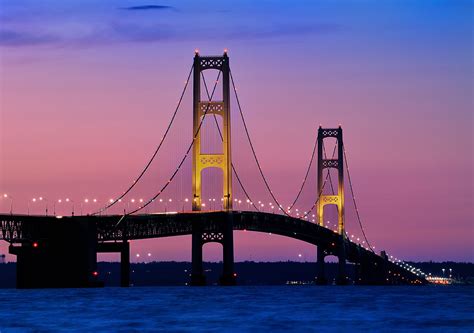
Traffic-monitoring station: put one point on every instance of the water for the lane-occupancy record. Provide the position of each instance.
(282, 308)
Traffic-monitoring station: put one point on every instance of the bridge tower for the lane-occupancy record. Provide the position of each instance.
(203, 161)
(334, 199)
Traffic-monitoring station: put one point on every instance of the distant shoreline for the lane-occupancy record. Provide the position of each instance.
(173, 273)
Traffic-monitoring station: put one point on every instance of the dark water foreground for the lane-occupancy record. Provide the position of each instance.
(283, 308)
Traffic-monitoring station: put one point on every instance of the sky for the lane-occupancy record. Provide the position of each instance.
(87, 89)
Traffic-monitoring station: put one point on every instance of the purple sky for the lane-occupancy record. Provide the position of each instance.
(87, 89)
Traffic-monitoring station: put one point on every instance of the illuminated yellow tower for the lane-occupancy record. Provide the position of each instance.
(334, 199)
(220, 108)
(324, 163)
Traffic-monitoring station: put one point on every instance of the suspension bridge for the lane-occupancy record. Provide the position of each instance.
(61, 251)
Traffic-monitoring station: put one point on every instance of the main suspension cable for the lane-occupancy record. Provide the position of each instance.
(182, 160)
(232, 164)
(156, 150)
(306, 175)
(252, 148)
(354, 200)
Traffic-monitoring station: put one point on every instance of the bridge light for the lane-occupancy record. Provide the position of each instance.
(225, 51)
(86, 200)
(35, 244)
(186, 200)
(34, 199)
(196, 51)
(111, 200)
(235, 274)
(95, 273)
(94, 200)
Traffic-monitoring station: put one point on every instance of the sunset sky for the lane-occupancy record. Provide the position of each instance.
(87, 89)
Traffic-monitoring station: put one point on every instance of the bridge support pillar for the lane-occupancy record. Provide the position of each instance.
(124, 249)
(228, 277)
(341, 266)
(321, 277)
(125, 264)
(341, 272)
(197, 272)
(372, 272)
(64, 256)
(224, 235)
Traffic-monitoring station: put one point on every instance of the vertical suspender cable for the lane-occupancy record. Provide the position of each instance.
(354, 200)
(155, 153)
(233, 167)
(179, 165)
(252, 148)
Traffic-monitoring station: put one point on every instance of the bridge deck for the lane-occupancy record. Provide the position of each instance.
(22, 228)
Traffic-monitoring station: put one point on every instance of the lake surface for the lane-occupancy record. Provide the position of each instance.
(281, 308)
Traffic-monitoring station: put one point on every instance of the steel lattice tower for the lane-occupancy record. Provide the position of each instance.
(325, 163)
(206, 108)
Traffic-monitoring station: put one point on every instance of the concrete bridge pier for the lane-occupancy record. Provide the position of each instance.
(224, 235)
(228, 277)
(124, 249)
(321, 274)
(125, 264)
(197, 272)
(63, 256)
(341, 267)
(370, 272)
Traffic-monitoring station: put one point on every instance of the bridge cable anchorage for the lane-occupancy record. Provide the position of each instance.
(222, 138)
(307, 173)
(354, 200)
(328, 176)
(156, 150)
(252, 148)
(180, 163)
